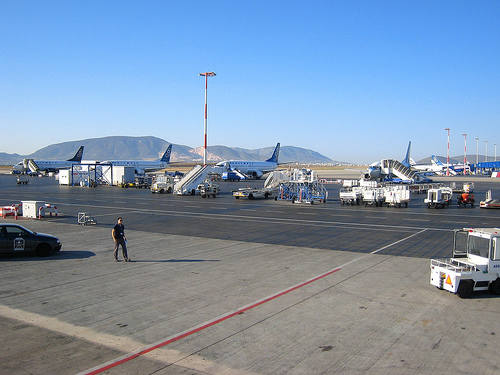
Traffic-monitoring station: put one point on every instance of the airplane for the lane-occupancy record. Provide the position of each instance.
(375, 171)
(47, 165)
(440, 168)
(255, 169)
(143, 166)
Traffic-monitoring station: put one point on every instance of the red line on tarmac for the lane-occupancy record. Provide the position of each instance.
(132, 355)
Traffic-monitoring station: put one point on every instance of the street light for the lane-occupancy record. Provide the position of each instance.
(206, 75)
(477, 151)
(448, 154)
(465, 154)
(486, 151)
(495, 152)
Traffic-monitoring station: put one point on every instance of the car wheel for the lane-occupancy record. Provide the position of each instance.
(42, 250)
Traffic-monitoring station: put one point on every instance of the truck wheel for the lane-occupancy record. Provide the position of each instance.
(465, 288)
(250, 196)
(495, 287)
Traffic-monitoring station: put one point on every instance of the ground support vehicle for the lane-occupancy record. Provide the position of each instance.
(302, 186)
(163, 184)
(475, 264)
(208, 188)
(18, 239)
(142, 182)
(397, 195)
(489, 202)
(126, 184)
(373, 196)
(439, 197)
(253, 193)
(86, 218)
(465, 196)
(232, 176)
(464, 199)
(350, 195)
(21, 180)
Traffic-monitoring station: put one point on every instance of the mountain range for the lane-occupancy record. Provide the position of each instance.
(152, 148)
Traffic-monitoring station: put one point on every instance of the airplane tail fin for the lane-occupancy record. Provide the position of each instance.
(407, 160)
(166, 156)
(276, 154)
(435, 160)
(78, 155)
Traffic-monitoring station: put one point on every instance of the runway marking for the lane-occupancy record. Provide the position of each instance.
(401, 240)
(159, 344)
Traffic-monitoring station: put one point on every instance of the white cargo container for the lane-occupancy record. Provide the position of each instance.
(73, 177)
(32, 208)
(119, 175)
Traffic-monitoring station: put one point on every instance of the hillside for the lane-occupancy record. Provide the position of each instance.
(151, 148)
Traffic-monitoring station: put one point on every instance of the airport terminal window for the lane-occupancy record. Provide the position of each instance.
(479, 246)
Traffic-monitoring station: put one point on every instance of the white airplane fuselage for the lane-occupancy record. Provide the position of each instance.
(47, 165)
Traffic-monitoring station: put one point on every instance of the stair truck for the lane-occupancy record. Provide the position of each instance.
(474, 266)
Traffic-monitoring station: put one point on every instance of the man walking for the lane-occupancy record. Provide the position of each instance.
(118, 234)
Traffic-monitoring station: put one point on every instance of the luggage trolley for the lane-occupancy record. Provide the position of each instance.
(85, 218)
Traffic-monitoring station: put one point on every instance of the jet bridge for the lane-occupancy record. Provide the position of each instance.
(398, 169)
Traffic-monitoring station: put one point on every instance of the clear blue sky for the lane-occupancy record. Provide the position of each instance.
(353, 80)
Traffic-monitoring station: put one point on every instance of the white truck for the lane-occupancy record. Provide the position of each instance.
(351, 195)
(475, 264)
(163, 184)
(439, 197)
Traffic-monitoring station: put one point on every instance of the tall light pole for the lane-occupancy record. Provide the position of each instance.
(206, 75)
(448, 153)
(465, 154)
(495, 152)
(477, 151)
(486, 156)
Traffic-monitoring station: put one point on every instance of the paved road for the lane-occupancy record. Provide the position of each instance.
(225, 286)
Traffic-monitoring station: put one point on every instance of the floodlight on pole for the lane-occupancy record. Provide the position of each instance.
(465, 154)
(486, 152)
(448, 153)
(495, 152)
(206, 75)
(477, 151)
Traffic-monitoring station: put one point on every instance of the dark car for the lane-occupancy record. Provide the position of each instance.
(18, 239)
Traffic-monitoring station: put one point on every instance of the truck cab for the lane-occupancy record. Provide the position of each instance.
(475, 264)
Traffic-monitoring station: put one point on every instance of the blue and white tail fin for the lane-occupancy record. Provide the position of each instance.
(276, 153)
(407, 160)
(436, 161)
(78, 155)
(166, 156)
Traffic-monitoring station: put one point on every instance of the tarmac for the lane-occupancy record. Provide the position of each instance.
(225, 286)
